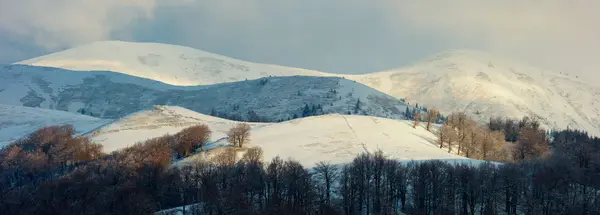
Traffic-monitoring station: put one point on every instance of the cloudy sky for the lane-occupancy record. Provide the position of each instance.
(342, 36)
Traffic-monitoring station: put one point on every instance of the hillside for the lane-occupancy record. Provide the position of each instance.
(335, 138)
(113, 95)
(171, 64)
(155, 122)
(17, 121)
(485, 86)
(339, 138)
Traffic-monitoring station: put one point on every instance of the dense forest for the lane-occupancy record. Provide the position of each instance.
(53, 172)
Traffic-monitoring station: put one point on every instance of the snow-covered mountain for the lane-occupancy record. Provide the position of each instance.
(171, 64)
(485, 86)
(18, 121)
(478, 83)
(114, 95)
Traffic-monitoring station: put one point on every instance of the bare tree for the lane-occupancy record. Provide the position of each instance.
(239, 135)
(462, 124)
(88, 151)
(501, 152)
(532, 142)
(432, 115)
(447, 134)
(158, 151)
(465, 124)
(473, 139)
(226, 157)
(450, 134)
(327, 174)
(487, 144)
(417, 119)
(442, 135)
(492, 142)
(193, 137)
(253, 155)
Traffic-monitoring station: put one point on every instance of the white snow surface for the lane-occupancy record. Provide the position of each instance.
(332, 138)
(16, 121)
(479, 83)
(485, 86)
(156, 122)
(171, 64)
(340, 138)
(179, 210)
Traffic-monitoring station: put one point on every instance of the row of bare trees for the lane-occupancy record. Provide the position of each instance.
(193, 138)
(464, 136)
(430, 117)
(43, 155)
(51, 151)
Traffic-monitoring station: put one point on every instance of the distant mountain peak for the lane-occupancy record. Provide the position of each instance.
(171, 64)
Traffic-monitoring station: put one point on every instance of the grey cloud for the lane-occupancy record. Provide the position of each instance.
(556, 34)
(335, 36)
(63, 23)
(346, 36)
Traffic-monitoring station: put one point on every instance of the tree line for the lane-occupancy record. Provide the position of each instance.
(503, 140)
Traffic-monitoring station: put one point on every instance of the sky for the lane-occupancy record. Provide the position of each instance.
(338, 36)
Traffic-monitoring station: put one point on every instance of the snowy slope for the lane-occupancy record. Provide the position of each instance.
(485, 86)
(114, 95)
(18, 121)
(155, 122)
(176, 65)
(335, 138)
(339, 138)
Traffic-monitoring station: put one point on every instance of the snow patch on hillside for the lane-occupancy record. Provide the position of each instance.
(156, 122)
(16, 121)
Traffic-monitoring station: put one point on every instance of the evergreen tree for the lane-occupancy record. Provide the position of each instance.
(305, 111)
(357, 106)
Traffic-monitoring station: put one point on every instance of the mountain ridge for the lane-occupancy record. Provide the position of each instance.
(459, 80)
(488, 88)
(114, 95)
